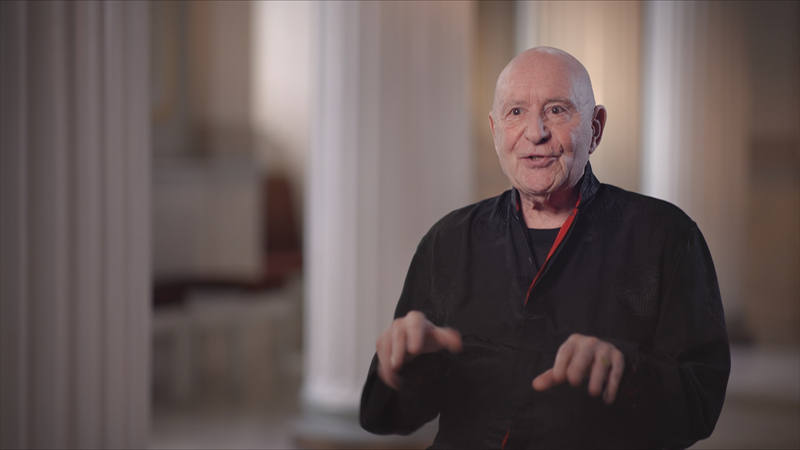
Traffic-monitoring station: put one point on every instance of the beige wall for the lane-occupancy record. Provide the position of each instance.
(207, 186)
(219, 71)
(201, 77)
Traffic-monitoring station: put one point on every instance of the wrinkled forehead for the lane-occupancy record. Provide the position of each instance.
(550, 84)
(542, 77)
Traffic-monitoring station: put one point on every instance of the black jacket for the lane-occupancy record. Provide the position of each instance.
(632, 270)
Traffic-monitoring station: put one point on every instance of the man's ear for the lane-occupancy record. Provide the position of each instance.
(598, 125)
(492, 125)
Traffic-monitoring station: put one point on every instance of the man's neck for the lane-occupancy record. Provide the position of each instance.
(550, 211)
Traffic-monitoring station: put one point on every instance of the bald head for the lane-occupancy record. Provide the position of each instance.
(545, 125)
(554, 62)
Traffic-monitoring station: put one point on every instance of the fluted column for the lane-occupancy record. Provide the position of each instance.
(74, 210)
(695, 125)
(390, 155)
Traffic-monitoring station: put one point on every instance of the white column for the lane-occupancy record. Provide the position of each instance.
(75, 225)
(391, 154)
(695, 125)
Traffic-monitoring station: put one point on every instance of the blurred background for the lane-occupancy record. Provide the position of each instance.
(208, 208)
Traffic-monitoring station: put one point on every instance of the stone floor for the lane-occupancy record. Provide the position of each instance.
(223, 426)
(762, 411)
(762, 407)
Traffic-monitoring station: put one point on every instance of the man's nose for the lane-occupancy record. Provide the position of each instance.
(537, 131)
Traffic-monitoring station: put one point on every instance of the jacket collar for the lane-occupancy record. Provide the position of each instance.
(589, 186)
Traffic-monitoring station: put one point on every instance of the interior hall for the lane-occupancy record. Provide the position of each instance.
(208, 208)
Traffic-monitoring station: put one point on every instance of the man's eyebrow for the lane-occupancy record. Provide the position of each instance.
(509, 103)
(559, 100)
(513, 103)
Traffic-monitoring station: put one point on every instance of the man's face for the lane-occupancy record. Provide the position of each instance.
(542, 125)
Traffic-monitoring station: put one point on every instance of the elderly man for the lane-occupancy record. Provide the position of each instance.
(562, 313)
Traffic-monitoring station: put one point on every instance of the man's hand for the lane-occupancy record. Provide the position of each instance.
(407, 338)
(581, 356)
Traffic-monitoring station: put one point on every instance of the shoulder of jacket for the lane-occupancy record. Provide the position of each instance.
(643, 206)
(493, 208)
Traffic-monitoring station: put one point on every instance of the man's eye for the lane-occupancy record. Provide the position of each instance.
(556, 110)
(516, 111)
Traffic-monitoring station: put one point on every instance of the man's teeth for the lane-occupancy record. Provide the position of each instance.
(535, 157)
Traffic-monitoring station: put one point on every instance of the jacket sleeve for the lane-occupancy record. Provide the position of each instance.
(384, 410)
(672, 393)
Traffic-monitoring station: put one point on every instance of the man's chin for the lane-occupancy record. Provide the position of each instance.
(541, 188)
(542, 194)
(535, 194)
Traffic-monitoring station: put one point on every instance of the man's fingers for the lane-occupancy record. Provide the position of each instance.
(385, 372)
(599, 375)
(389, 377)
(544, 381)
(408, 337)
(614, 377)
(563, 358)
(444, 339)
(398, 348)
(415, 339)
(580, 357)
(581, 362)
(428, 338)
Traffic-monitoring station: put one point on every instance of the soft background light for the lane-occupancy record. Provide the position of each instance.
(293, 155)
